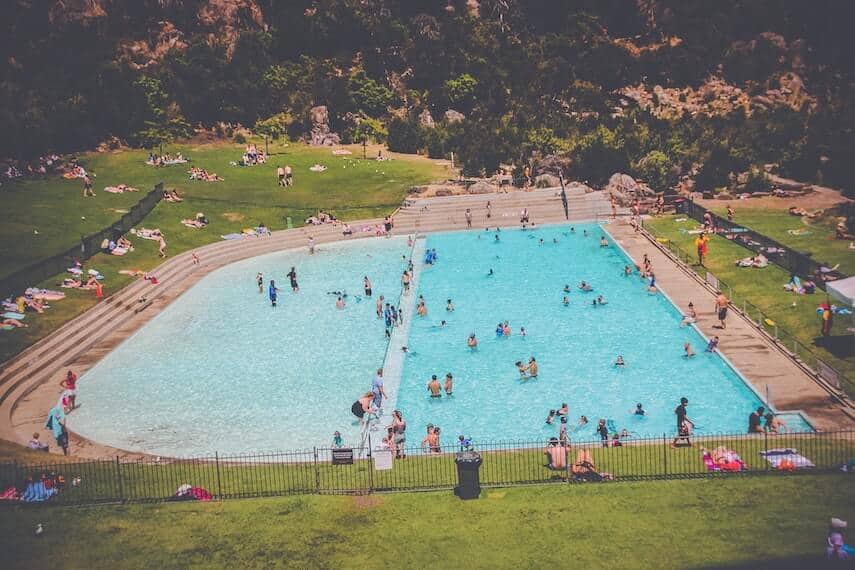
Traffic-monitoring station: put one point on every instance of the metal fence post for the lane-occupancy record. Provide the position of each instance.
(120, 485)
(665, 454)
(317, 473)
(219, 483)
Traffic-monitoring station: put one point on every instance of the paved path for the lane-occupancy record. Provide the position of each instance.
(29, 382)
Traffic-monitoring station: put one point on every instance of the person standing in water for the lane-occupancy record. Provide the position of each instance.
(366, 285)
(448, 384)
(292, 275)
(378, 307)
(259, 278)
(272, 292)
(433, 387)
(405, 280)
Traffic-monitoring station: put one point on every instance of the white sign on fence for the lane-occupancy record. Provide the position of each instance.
(382, 459)
(712, 280)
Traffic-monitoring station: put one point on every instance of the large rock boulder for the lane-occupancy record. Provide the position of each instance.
(426, 120)
(481, 187)
(547, 181)
(578, 186)
(452, 116)
(554, 164)
(320, 133)
(623, 188)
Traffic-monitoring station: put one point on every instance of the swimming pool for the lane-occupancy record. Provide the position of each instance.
(219, 369)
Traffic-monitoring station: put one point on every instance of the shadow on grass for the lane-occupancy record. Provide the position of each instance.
(841, 346)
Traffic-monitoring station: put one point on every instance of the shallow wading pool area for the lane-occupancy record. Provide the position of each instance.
(221, 370)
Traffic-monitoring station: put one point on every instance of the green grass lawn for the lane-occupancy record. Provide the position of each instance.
(820, 242)
(739, 522)
(350, 188)
(764, 289)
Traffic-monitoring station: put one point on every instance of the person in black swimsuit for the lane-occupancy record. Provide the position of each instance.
(292, 275)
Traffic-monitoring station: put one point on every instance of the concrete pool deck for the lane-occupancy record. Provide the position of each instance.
(29, 383)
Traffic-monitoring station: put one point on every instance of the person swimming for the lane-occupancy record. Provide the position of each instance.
(565, 301)
(567, 288)
(687, 348)
(639, 410)
(585, 286)
(600, 300)
(490, 273)
(441, 325)
(496, 237)
(583, 421)
(619, 361)
(472, 342)
(449, 306)
(522, 331)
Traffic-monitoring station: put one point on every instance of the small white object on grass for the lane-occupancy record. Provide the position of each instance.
(39, 529)
(82, 217)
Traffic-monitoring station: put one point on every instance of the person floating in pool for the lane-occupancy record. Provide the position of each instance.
(272, 292)
(472, 342)
(639, 410)
(259, 279)
(619, 361)
(449, 306)
(434, 388)
(292, 276)
(441, 325)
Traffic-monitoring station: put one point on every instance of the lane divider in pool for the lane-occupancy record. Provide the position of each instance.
(393, 361)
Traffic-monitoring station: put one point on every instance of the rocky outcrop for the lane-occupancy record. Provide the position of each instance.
(76, 11)
(426, 120)
(320, 133)
(226, 19)
(547, 181)
(139, 54)
(452, 116)
(481, 187)
(554, 164)
(626, 190)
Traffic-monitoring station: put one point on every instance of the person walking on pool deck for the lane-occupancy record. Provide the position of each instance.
(405, 281)
(56, 423)
(272, 292)
(468, 215)
(721, 308)
(684, 424)
(70, 385)
(377, 389)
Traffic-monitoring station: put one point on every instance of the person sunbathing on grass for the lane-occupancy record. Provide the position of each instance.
(584, 468)
(12, 323)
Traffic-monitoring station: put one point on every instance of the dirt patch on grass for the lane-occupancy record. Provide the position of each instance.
(233, 216)
(821, 197)
(367, 501)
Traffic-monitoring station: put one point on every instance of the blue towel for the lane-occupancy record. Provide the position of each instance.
(37, 492)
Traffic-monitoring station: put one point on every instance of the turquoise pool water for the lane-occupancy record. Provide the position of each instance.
(575, 346)
(220, 369)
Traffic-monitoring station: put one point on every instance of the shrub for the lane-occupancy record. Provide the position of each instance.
(405, 135)
(240, 139)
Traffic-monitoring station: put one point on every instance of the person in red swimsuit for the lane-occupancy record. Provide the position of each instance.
(70, 384)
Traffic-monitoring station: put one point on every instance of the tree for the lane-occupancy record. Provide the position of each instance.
(460, 91)
(162, 121)
(405, 135)
(598, 155)
(369, 96)
(273, 127)
(657, 171)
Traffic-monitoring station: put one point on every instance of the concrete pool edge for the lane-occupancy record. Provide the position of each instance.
(27, 392)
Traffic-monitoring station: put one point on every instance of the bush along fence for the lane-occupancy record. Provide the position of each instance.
(794, 348)
(793, 261)
(358, 471)
(88, 246)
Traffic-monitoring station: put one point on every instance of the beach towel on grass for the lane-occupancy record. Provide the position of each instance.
(778, 456)
(36, 492)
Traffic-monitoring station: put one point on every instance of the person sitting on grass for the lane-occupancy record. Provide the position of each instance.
(585, 470)
(556, 455)
(37, 445)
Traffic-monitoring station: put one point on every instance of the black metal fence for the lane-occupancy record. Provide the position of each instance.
(795, 262)
(331, 471)
(764, 322)
(88, 246)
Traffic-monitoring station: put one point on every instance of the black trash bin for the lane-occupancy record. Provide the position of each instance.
(468, 475)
